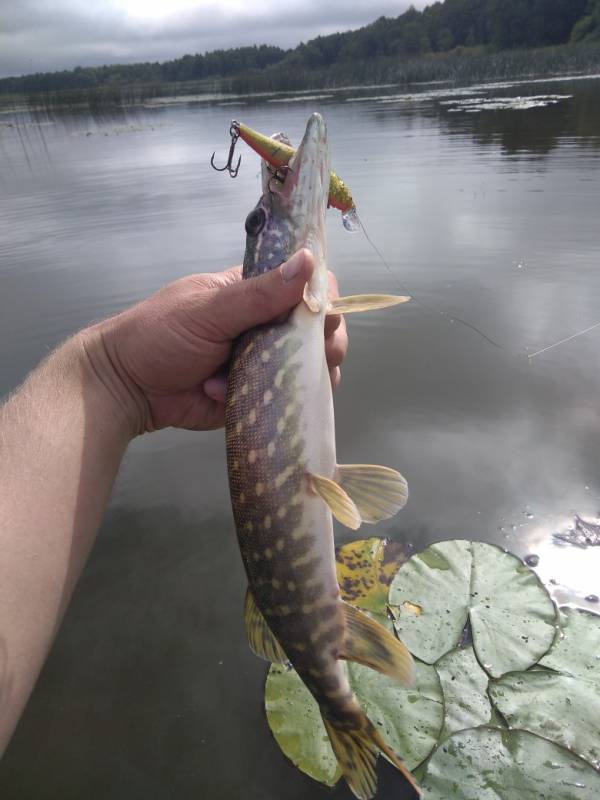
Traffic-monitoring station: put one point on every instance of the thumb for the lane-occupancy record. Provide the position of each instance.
(244, 304)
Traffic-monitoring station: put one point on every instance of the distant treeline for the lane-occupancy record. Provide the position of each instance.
(216, 64)
(460, 66)
(487, 26)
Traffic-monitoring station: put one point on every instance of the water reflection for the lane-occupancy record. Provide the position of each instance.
(576, 121)
(568, 560)
(491, 217)
(538, 132)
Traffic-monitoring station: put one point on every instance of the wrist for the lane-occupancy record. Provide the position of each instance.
(119, 399)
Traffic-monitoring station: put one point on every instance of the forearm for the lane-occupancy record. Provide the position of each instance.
(62, 437)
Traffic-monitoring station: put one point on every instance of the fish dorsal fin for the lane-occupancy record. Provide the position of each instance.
(378, 492)
(341, 506)
(364, 302)
(369, 643)
(261, 640)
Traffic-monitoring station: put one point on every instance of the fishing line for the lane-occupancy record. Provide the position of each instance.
(452, 318)
(531, 356)
(432, 310)
(351, 220)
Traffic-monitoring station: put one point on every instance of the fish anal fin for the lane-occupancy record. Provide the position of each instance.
(364, 302)
(261, 640)
(340, 504)
(378, 492)
(369, 643)
(356, 744)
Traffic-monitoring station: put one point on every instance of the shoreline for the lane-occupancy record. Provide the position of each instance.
(461, 67)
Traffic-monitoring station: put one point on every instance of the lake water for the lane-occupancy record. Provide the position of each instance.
(486, 208)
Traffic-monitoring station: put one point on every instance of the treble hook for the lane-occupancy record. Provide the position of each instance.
(234, 132)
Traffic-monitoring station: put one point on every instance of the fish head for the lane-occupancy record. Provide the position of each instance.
(291, 212)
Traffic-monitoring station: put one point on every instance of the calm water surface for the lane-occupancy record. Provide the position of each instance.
(485, 212)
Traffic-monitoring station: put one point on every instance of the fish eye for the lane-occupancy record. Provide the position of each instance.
(255, 221)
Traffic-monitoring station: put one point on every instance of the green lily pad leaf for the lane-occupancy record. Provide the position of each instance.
(560, 708)
(410, 719)
(295, 721)
(430, 595)
(576, 650)
(491, 764)
(512, 615)
(465, 685)
(365, 569)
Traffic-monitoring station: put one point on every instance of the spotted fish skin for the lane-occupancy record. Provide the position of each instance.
(279, 427)
(284, 530)
(280, 432)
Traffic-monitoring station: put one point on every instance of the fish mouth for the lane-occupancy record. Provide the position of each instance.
(305, 189)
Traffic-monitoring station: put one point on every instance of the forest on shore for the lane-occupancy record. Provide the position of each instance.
(453, 39)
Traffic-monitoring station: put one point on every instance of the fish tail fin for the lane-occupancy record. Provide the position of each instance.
(356, 744)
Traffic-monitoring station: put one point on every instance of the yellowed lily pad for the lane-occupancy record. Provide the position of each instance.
(365, 570)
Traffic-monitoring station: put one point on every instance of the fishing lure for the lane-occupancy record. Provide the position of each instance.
(278, 155)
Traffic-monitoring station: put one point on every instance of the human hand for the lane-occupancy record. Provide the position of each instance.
(164, 359)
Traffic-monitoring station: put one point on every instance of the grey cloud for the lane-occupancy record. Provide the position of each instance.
(38, 35)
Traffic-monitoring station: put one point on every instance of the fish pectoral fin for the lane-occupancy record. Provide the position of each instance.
(261, 640)
(378, 492)
(369, 643)
(340, 504)
(311, 300)
(364, 302)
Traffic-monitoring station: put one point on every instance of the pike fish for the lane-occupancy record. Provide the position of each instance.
(286, 484)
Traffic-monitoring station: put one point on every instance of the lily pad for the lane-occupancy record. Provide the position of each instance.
(365, 569)
(465, 685)
(430, 598)
(576, 650)
(450, 589)
(490, 764)
(410, 719)
(295, 721)
(560, 708)
(511, 614)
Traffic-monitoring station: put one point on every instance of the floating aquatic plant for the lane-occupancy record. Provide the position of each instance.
(511, 615)
(506, 701)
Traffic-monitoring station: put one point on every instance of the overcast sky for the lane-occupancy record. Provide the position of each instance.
(42, 35)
